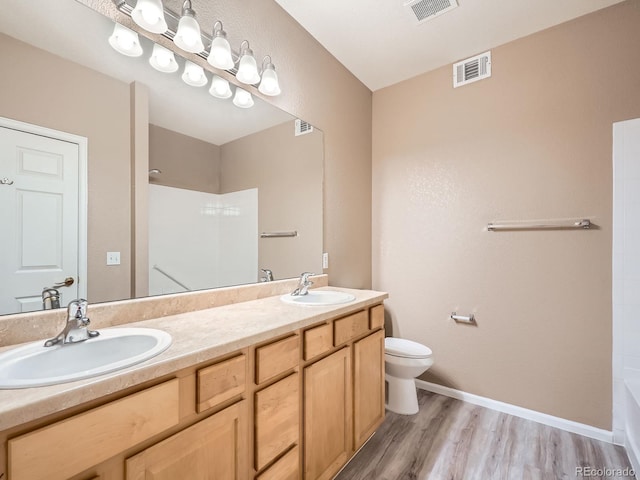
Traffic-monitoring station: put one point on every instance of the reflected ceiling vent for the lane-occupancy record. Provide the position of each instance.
(427, 9)
(472, 69)
(302, 127)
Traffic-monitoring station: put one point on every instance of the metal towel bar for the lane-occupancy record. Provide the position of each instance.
(278, 234)
(583, 223)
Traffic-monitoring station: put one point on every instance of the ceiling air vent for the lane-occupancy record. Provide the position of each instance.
(302, 127)
(427, 9)
(472, 69)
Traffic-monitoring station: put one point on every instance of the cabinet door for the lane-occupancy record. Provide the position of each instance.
(327, 415)
(277, 419)
(368, 387)
(214, 448)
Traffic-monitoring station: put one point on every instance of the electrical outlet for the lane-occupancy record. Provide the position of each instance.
(325, 260)
(113, 258)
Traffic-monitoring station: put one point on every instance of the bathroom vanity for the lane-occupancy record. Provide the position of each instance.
(253, 390)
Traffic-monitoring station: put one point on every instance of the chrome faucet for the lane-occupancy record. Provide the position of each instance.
(303, 285)
(76, 328)
(268, 275)
(51, 296)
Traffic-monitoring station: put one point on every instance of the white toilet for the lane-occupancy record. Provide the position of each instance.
(404, 360)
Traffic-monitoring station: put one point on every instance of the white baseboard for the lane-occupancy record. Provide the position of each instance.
(545, 419)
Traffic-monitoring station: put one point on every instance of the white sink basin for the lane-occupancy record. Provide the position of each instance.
(319, 298)
(34, 365)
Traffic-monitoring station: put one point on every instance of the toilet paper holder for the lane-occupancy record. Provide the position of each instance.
(462, 318)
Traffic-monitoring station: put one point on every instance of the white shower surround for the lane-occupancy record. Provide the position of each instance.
(203, 240)
(626, 287)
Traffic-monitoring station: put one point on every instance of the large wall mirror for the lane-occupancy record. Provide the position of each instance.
(217, 177)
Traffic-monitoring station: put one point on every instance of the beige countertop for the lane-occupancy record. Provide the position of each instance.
(197, 337)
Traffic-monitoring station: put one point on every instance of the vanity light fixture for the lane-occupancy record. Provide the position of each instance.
(194, 75)
(188, 36)
(247, 68)
(269, 84)
(149, 14)
(220, 52)
(125, 41)
(242, 98)
(163, 59)
(220, 87)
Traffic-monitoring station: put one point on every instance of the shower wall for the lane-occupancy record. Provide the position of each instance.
(201, 240)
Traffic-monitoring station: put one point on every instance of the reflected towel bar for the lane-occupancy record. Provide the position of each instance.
(278, 234)
(583, 223)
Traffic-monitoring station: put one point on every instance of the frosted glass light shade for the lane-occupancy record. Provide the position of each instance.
(194, 75)
(188, 36)
(220, 53)
(149, 14)
(220, 87)
(269, 84)
(125, 41)
(163, 60)
(242, 98)
(248, 70)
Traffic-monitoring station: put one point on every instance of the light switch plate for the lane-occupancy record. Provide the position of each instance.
(113, 258)
(325, 260)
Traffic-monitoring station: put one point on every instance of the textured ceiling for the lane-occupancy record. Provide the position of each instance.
(381, 42)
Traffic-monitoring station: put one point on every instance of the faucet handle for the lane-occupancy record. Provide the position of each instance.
(78, 309)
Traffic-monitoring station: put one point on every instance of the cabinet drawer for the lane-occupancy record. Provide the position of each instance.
(376, 317)
(287, 468)
(221, 382)
(347, 328)
(318, 340)
(213, 448)
(277, 419)
(70, 446)
(277, 358)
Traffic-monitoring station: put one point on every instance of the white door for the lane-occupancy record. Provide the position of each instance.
(38, 219)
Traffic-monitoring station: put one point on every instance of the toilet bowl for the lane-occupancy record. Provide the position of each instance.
(404, 360)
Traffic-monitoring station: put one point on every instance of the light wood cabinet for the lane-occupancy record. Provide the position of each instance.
(327, 415)
(220, 382)
(276, 358)
(213, 448)
(296, 407)
(348, 328)
(318, 340)
(286, 468)
(277, 419)
(368, 387)
(68, 447)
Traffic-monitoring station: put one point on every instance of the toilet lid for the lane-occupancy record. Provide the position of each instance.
(405, 348)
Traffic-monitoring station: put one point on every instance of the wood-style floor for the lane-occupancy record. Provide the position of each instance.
(453, 440)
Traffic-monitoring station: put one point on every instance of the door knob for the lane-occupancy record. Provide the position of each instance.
(66, 283)
(6, 181)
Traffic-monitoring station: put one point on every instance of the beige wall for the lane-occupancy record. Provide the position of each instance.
(186, 162)
(42, 89)
(532, 142)
(287, 170)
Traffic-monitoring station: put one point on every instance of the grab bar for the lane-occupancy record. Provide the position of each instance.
(170, 277)
(584, 223)
(279, 234)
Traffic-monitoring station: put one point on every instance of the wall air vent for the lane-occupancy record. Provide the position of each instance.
(302, 127)
(427, 9)
(472, 69)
